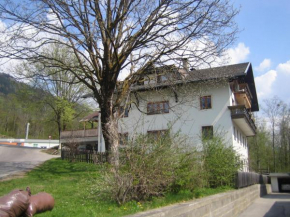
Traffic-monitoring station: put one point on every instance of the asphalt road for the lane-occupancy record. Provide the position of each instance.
(271, 205)
(19, 159)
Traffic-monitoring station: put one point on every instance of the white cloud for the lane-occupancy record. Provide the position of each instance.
(264, 65)
(264, 83)
(284, 67)
(238, 54)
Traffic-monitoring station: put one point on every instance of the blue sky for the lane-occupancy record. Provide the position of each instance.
(265, 42)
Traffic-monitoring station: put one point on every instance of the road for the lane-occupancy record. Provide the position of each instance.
(271, 205)
(19, 159)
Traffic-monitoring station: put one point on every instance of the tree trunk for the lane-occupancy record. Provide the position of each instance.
(111, 137)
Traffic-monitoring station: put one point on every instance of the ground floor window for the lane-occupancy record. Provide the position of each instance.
(207, 132)
(123, 139)
(157, 134)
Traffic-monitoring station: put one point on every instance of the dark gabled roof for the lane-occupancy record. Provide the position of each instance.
(229, 71)
(161, 69)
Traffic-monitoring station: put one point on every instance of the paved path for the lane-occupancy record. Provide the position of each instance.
(19, 159)
(271, 205)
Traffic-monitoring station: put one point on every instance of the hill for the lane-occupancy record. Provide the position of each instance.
(8, 84)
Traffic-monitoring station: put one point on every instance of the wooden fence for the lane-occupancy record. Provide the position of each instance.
(244, 179)
(84, 156)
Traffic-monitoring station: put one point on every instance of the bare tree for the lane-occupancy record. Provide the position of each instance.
(112, 37)
(272, 109)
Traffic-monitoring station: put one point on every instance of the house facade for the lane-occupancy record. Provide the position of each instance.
(209, 102)
(195, 103)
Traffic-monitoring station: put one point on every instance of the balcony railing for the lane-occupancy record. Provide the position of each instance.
(243, 95)
(240, 111)
(79, 133)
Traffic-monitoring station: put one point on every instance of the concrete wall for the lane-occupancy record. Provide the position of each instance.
(229, 204)
(274, 184)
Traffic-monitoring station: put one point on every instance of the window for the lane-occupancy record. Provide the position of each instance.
(123, 139)
(123, 113)
(235, 136)
(156, 134)
(161, 78)
(157, 107)
(207, 132)
(205, 102)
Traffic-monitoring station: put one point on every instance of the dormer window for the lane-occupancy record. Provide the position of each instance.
(161, 78)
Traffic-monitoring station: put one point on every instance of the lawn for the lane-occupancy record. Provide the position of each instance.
(74, 188)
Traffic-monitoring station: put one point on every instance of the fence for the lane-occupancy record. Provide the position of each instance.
(244, 179)
(84, 156)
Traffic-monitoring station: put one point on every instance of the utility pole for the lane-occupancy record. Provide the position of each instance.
(27, 130)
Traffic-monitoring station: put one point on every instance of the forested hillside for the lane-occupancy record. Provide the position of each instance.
(21, 104)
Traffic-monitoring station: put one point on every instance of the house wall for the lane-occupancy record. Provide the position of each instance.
(185, 116)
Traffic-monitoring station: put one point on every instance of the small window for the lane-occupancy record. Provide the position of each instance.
(205, 102)
(207, 132)
(122, 113)
(157, 134)
(157, 107)
(235, 134)
(123, 139)
(161, 78)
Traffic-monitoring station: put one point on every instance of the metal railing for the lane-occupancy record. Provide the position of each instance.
(240, 111)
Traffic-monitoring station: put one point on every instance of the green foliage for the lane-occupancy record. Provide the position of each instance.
(74, 187)
(220, 162)
(153, 167)
(149, 167)
(260, 151)
(24, 104)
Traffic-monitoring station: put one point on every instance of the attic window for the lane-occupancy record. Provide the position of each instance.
(161, 78)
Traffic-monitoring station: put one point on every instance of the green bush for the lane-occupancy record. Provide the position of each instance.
(154, 166)
(150, 167)
(220, 162)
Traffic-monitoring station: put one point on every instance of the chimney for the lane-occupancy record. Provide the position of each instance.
(185, 63)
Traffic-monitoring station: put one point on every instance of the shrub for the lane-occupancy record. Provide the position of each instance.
(220, 162)
(149, 167)
(153, 166)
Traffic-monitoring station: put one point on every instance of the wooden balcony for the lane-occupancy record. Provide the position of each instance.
(243, 119)
(243, 96)
(79, 135)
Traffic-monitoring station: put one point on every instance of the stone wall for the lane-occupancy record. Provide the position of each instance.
(227, 204)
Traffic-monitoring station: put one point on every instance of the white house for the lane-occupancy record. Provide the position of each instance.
(195, 103)
(192, 102)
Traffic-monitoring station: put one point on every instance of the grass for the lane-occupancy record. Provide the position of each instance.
(74, 188)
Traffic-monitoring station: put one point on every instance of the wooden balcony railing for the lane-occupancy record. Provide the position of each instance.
(243, 95)
(79, 133)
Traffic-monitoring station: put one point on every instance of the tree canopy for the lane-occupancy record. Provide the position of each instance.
(114, 37)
